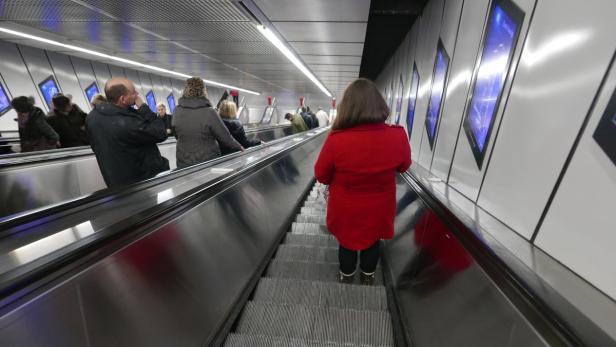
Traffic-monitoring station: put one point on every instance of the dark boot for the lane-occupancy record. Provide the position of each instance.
(366, 279)
(344, 278)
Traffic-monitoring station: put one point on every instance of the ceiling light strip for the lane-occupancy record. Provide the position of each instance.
(282, 47)
(118, 59)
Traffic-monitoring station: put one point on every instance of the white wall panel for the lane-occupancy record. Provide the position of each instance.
(448, 34)
(431, 32)
(134, 77)
(461, 69)
(146, 83)
(178, 88)
(38, 66)
(85, 74)
(580, 229)
(101, 72)
(18, 81)
(116, 71)
(558, 75)
(465, 174)
(159, 91)
(65, 74)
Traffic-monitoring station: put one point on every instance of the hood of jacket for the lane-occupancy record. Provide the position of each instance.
(194, 103)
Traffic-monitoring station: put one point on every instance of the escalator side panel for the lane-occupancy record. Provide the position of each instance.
(177, 285)
(444, 298)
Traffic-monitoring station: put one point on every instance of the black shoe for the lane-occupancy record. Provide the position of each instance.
(366, 279)
(344, 278)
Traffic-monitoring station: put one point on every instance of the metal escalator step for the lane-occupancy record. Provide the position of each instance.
(304, 218)
(243, 340)
(309, 228)
(325, 272)
(311, 240)
(307, 253)
(316, 206)
(313, 211)
(317, 323)
(321, 294)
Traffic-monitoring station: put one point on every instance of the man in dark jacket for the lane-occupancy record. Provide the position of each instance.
(124, 139)
(68, 121)
(35, 134)
(161, 112)
(307, 119)
(313, 118)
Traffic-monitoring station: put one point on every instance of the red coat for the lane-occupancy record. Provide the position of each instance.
(360, 165)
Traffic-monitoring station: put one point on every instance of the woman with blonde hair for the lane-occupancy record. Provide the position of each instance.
(198, 128)
(228, 113)
(359, 162)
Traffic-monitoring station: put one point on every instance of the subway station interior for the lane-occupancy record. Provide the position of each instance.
(502, 235)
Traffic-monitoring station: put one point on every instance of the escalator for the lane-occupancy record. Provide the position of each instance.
(298, 301)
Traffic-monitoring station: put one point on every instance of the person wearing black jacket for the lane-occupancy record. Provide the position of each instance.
(123, 139)
(228, 113)
(161, 112)
(307, 119)
(35, 134)
(313, 117)
(68, 121)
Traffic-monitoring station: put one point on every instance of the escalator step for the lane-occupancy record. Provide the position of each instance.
(321, 294)
(309, 228)
(307, 253)
(311, 240)
(316, 206)
(304, 218)
(326, 272)
(317, 323)
(243, 340)
(313, 211)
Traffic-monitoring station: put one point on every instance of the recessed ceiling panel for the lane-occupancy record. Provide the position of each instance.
(328, 48)
(322, 31)
(315, 10)
(331, 59)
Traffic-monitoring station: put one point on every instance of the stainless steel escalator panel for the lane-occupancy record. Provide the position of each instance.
(33, 243)
(176, 285)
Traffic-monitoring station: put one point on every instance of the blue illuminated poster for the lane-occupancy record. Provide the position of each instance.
(151, 101)
(91, 90)
(499, 41)
(49, 88)
(605, 134)
(5, 103)
(171, 103)
(410, 111)
(399, 100)
(441, 64)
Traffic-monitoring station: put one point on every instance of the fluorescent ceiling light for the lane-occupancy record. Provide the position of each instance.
(122, 60)
(287, 52)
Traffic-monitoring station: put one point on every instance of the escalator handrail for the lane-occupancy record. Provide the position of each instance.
(18, 282)
(34, 216)
(548, 311)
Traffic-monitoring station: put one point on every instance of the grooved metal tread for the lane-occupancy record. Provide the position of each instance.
(310, 240)
(317, 323)
(313, 211)
(307, 253)
(321, 294)
(243, 340)
(326, 272)
(303, 218)
(309, 228)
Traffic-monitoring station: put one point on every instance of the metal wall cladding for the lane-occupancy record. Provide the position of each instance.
(176, 285)
(560, 59)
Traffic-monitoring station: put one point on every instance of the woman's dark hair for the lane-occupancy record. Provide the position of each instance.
(361, 103)
(23, 104)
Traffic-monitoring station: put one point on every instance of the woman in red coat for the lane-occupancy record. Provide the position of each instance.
(359, 161)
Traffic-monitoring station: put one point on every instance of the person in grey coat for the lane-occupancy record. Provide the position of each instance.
(198, 128)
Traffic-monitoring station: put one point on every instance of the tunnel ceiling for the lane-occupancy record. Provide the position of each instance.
(388, 23)
(214, 39)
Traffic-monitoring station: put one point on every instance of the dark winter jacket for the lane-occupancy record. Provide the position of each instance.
(237, 131)
(125, 143)
(70, 127)
(168, 119)
(307, 119)
(314, 119)
(35, 134)
(199, 131)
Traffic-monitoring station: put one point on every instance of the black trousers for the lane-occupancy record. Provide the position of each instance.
(368, 259)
